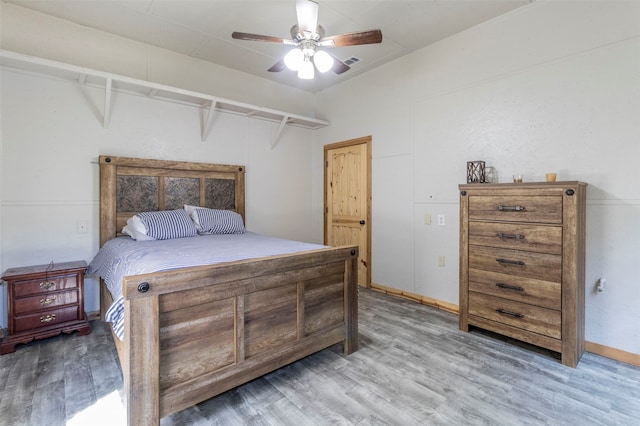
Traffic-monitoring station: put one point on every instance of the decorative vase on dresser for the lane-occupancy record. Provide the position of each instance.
(522, 250)
(44, 301)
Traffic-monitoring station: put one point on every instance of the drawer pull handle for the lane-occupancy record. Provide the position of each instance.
(46, 285)
(511, 262)
(47, 301)
(511, 208)
(510, 236)
(47, 318)
(513, 314)
(509, 287)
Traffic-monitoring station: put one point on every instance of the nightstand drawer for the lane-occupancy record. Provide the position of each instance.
(547, 267)
(547, 294)
(46, 318)
(44, 301)
(538, 238)
(516, 208)
(44, 285)
(522, 315)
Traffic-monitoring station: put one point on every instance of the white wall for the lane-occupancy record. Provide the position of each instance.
(52, 134)
(554, 86)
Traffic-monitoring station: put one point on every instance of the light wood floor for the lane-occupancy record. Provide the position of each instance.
(414, 367)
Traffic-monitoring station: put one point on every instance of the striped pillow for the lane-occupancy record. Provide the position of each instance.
(168, 224)
(213, 221)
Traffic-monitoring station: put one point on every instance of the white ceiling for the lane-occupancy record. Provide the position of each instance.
(202, 28)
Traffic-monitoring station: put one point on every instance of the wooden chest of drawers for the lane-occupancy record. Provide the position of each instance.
(522, 263)
(44, 301)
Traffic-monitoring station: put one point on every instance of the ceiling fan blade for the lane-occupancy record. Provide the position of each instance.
(338, 66)
(257, 37)
(307, 11)
(278, 66)
(352, 39)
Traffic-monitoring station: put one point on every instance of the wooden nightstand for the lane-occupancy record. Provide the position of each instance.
(44, 301)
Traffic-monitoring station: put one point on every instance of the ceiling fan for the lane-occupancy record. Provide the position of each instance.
(309, 40)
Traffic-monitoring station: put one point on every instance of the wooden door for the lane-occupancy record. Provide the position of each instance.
(348, 200)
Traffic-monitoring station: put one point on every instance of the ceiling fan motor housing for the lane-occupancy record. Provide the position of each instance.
(299, 36)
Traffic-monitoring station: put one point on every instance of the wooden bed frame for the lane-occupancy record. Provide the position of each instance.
(193, 333)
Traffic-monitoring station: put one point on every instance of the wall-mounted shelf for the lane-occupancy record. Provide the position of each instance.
(209, 104)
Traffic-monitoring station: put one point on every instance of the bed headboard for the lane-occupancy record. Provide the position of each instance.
(132, 185)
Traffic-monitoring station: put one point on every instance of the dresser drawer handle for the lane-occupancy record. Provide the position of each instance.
(510, 236)
(47, 301)
(46, 285)
(509, 287)
(47, 318)
(511, 262)
(511, 208)
(513, 314)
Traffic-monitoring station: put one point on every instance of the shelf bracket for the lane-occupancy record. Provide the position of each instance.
(107, 103)
(207, 117)
(276, 138)
(210, 106)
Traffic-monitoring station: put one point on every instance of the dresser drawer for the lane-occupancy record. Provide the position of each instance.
(547, 294)
(542, 266)
(44, 285)
(538, 238)
(516, 208)
(535, 319)
(49, 300)
(46, 318)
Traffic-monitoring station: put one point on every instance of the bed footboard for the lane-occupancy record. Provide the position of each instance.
(201, 331)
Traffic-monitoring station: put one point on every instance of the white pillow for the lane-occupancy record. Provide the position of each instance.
(189, 208)
(136, 229)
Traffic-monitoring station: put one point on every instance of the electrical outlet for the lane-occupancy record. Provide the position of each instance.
(82, 227)
(441, 261)
(440, 220)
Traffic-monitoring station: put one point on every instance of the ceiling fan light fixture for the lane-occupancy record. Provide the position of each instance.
(294, 59)
(307, 36)
(305, 71)
(323, 61)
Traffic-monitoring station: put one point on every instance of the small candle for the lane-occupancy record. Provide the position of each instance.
(517, 178)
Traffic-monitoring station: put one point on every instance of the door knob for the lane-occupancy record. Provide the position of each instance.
(362, 222)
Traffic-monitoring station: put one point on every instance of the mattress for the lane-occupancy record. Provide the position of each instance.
(123, 256)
